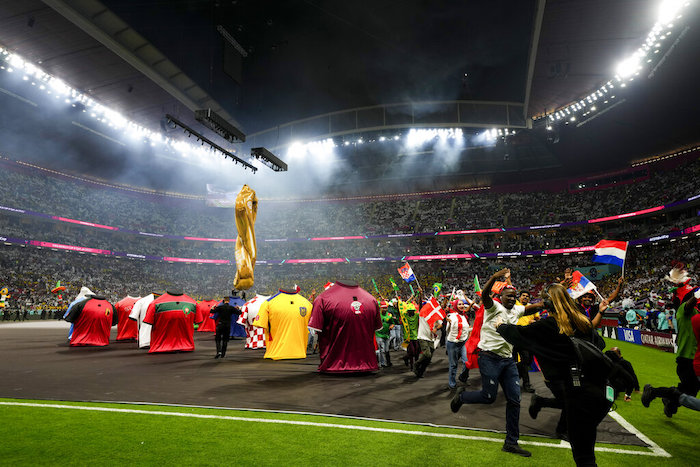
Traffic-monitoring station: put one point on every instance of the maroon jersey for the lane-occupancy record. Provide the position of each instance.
(127, 329)
(172, 318)
(92, 319)
(204, 310)
(346, 317)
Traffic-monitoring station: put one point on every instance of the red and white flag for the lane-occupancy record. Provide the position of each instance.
(432, 312)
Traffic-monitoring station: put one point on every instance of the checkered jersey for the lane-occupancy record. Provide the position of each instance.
(255, 337)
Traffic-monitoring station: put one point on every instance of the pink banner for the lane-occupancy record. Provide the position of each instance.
(558, 251)
(422, 257)
(354, 237)
(317, 260)
(194, 260)
(89, 224)
(203, 239)
(623, 216)
(475, 231)
(695, 228)
(60, 246)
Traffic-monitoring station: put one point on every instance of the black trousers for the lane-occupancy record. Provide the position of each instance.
(523, 364)
(585, 408)
(556, 402)
(689, 383)
(221, 339)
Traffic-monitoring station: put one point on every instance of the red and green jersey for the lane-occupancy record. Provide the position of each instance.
(172, 318)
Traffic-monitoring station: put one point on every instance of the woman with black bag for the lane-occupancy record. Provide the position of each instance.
(581, 390)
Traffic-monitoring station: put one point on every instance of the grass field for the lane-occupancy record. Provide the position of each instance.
(76, 433)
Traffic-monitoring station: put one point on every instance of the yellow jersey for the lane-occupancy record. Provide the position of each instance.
(285, 317)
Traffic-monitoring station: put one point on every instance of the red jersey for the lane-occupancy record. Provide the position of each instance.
(172, 318)
(204, 310)
(346, 316)
(127, 329)
(92, 319)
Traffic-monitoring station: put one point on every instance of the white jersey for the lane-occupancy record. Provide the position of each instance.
(138, 312)
(492, 340)
(457, 323)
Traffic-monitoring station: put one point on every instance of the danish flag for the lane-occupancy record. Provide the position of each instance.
(432, 312)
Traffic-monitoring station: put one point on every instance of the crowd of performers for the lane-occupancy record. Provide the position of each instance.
(499, 332)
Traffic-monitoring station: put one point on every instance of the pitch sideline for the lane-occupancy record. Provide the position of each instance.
(654, 449)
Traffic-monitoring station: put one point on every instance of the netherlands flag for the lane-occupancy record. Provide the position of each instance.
(610, 252)
(580, 285)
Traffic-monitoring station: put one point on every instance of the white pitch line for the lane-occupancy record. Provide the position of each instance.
(658, 450)
(653, 453)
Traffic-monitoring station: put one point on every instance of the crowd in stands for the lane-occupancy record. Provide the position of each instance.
(30, 273)
(34, 228)
(28, 188)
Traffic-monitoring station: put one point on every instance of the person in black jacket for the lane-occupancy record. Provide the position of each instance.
(224, 313)
(622, 378)
(548, 339)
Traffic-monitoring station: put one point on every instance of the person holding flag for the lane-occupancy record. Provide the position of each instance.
(496, 362)
(430, 320)
(583, 290)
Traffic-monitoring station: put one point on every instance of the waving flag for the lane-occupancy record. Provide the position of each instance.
(580, 285)
(437, 287)
(477, 287)
(472, 345)
(610, 252)
(407, 273)
(393, 285)
(432, 312)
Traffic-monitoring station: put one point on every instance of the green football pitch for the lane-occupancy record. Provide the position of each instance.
(79, 433)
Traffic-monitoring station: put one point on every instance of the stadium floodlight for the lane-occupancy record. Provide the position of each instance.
(219, 125)
(668, 10)
(269, 159)
(211, 144)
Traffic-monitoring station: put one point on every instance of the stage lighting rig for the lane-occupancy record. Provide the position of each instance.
(269, 159)
(190, 132)
(219, 125)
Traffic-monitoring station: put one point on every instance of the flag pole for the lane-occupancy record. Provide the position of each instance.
(627, 247)
(414, 275)
(601, 297)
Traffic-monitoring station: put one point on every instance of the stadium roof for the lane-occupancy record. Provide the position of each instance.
(261, 64)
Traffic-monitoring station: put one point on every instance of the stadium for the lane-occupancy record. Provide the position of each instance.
(453, 140)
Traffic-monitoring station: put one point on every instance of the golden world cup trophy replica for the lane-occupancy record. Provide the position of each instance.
(246, 250)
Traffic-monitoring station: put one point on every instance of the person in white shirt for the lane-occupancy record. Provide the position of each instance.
(457, 329)
(426, 341)
(496, 362)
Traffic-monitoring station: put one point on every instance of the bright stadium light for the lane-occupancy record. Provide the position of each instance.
(57, 88)
(668, 10)
(626, 70)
